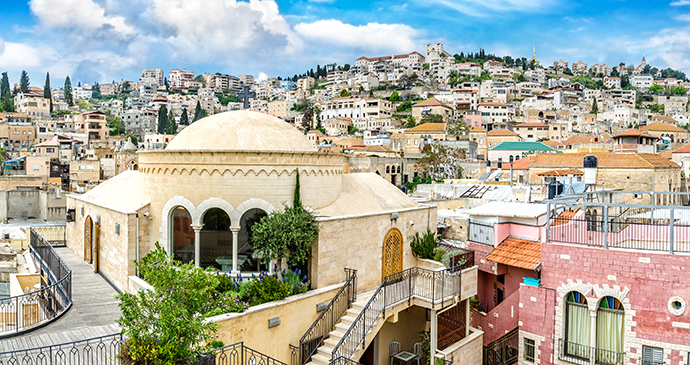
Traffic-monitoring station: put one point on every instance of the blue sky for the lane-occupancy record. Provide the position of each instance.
(105, 40)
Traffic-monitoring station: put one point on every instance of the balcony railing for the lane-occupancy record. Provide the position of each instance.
(586, 355)
(25, 312)
(481, 233)
(433, 286)
(326, 321)
(103, 350)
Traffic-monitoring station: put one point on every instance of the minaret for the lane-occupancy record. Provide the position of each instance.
(534, 53)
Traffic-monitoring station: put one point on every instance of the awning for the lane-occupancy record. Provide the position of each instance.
(16, 160)
(516, 252)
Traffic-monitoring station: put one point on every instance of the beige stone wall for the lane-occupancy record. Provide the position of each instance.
(467, 351)
(297, 313)
(357, 243)
(468, 283)
(116, 252)
(237, 177)
(12, 182)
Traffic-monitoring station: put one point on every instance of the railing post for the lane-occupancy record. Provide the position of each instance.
(548, 222)
(671, 219)
(606, 226)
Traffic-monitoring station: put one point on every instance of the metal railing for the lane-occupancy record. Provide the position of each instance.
(55, 235)
(103, 350)
(584, 355)
(327, 320)
(462, 261)
(236, 354)
(503, 351)
(434, 286)
(481, 233)
(28, 311)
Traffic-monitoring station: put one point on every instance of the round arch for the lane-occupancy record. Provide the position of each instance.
(209, 203)
(252, 203)
(166, 218)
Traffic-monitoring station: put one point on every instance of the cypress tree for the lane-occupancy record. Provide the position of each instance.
(297, 200)
(68, 92)
(172, 126)
(595, 107)
(46, 91)
(4, 85)
(162, 119)
(184, 118)
(24, 82)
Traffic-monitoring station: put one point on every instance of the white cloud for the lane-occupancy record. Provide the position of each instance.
(216, 29)
(81, 14)
(680, 3)
(372, 37)
(18, 56)
(481, 8)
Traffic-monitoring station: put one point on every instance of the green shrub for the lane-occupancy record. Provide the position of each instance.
(445, 260)
(423, 246)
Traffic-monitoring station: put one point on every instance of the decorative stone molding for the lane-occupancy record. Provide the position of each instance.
(211, 203)
(676, 305)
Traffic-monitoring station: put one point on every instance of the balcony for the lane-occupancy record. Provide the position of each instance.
(585, 355)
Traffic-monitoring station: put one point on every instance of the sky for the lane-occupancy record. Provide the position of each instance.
(111, 40)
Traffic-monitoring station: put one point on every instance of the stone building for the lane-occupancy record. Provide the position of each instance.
(235, 167)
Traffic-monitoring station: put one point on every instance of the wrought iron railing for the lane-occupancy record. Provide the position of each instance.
(236, 354)
(581, 354)
(434, 286)
(103, 350)
(503, 351)
(462, 261)
(327, 320)
(30, 310)
(481, 233)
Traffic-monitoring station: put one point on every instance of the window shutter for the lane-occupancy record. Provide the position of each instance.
(652, 355)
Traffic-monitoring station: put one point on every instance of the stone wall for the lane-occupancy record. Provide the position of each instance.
(296, 313)
(467, 351)
(357, 243)
(536, 313)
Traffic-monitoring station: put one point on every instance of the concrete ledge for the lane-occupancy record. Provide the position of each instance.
(135, 284)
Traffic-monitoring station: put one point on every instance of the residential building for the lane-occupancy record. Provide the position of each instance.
(579, 67)
(280, 108)
(152, 77)
(34, 105)
(666, 132)
(429, 107)
(643, 82)
(180, 78)
(601, 68)
(337, 126)
(82, 92)
(417, 137)
(612, 82)
(509, 151)
(110, 89)
(634, 141)
(560, 64)
(305, 83)
(17, 134)
(532, 132)
(496, 115)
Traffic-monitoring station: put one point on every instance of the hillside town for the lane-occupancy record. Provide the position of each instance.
(453, 208)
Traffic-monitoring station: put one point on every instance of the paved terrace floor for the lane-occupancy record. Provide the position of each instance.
(93, 312)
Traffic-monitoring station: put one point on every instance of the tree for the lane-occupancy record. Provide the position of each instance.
(394, 96)
(69, 99)
(441, 162)
(184, 118)
(124, 87)
(162, 119)
(344, 93)
(172, 126)
(96, 91)
(288, 234)
(198, 112)
(24, 82)
(457, 128)
(46, 91)
(656, 89)
(595, 107)
(4, 85)
(115, 125)
(346, 67)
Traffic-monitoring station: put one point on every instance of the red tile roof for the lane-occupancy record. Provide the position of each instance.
(604, 160)
(516, 252)
(521, 164)
(501, 133)
(633, 133)
(683, 149)
(563, 172)
(530, 124)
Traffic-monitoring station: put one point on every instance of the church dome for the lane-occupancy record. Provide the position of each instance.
(241, 131)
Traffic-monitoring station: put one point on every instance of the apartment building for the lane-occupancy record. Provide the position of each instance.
(496, 115)
(34, 105)
(180, 78)
(110, 89)
(152, 76)
(356, 108)
(612, 82)
(579, 67)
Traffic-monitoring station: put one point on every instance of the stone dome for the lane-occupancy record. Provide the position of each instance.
(241, 131)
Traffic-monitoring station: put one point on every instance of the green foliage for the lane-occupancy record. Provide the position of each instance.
(543, 139)
(115, 124)
(656, 89)
(344, 93)
(595, 107)
(678, 90)
(198, 112)
(425, 66)
(445, 258)
(4, 85)
(394, 97)
(432, 118)
(351, 129)
(405, 106)
(412, 185)
(287, 234)
(423, 246)
(269, 288)
(24, 82)
(167, 325)
(46, 91)
(588, 82)
(442, 162)
(457, 128)
(425, 340)
(133, 138)
(411, 123)
(297, 198)
(225, 99)
(656, 108)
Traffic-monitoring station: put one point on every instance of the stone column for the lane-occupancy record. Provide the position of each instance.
(197, 243)
(433, 337)
(235, 243)
(593, 338)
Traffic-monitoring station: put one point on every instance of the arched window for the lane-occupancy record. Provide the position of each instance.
(388, 169)
(577, 326)
(510, 159)
(610, 319)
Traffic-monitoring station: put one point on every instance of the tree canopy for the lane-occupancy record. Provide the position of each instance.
(162, 119)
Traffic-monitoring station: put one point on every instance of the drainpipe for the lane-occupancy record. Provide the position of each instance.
(136, 272)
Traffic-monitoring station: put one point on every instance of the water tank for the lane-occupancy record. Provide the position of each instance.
(555, 188)
(500, 164)
(590, 164)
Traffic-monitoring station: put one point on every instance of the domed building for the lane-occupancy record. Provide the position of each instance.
(200, 195)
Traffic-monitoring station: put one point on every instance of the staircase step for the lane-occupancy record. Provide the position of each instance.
(319, 359)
